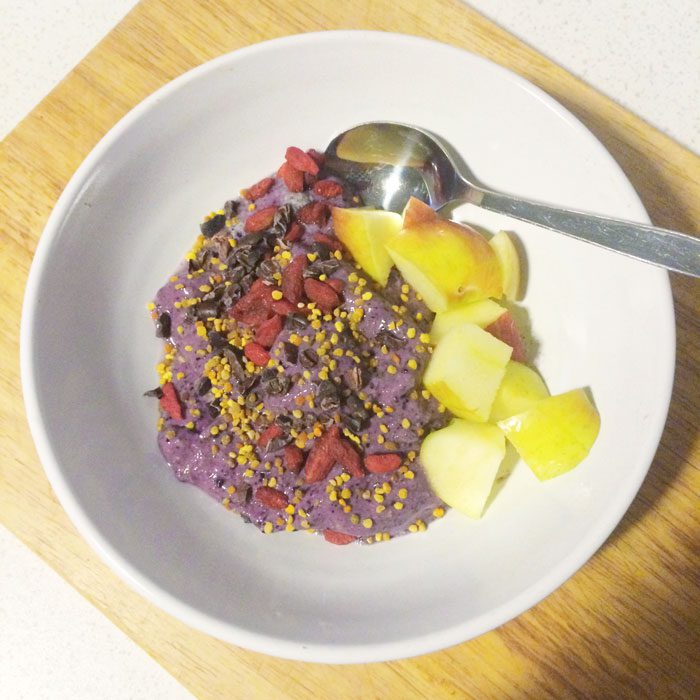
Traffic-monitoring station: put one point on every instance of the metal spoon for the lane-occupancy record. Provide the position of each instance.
(388, 163)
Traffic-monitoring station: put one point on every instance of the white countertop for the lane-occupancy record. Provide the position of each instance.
(643, 53)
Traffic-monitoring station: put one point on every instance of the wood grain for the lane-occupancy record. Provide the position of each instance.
(626, 625)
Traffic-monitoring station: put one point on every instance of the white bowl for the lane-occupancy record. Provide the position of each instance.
(88, 350)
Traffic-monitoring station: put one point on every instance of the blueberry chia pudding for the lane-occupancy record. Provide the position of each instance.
(290, 388)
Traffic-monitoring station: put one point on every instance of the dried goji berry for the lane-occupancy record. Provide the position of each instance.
(382, 463)
(255, 307)
(272, 498)
(293, 458)
(294, 232)
(322, 456)
(348, 457)
(330, 242)
(337, 284)
(170, 402)
(325, 297)
(506, 329)
(335, 537)
(314, 213)
(292, 178)
(328, 188)
(318, 157)
(300, 160)
(268, 330)
(257, 354)
(283, 307)
(258, 189)
(270, 433)
(260, 220)
(293, 279)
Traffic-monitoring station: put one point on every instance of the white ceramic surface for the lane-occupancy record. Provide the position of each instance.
(131, 211)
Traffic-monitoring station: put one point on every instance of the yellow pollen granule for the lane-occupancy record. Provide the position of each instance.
(276, 294)
(367, 523)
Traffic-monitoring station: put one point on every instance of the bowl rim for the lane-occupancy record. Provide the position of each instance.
(324, 653)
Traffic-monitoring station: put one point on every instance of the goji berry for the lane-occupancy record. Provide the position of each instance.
(294, 232)
(506, 329)
(292, 178)
(322, 456)
(255, 307)
(293, 279)
(300, 160)
(270, 433)
(330, 242)
(271, 498)
(382, 463)
(347, 456)
(337, 284)
(325, 297)
(328, 188)
(260, 220)
(335, 537)
(293, 458)
(257, 354)
(314, 213)
(318, 157)
(268, 330)
(283, 307)
(170, 402)
(259, 189)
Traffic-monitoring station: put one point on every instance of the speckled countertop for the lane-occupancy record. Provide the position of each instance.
(643, 53)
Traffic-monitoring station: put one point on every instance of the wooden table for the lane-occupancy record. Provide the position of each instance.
(626, 625)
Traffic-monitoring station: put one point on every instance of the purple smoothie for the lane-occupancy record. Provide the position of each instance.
(359, 367)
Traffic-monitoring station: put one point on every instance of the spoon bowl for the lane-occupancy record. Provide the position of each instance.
(388, 163)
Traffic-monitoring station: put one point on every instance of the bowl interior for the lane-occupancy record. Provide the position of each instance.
(131, 212)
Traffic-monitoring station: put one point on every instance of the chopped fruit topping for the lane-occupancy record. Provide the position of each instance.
(509, 262)
(506, 329)
(461, 463)
(465, 371)
(555, 434)
(446, 263)
(364, 233)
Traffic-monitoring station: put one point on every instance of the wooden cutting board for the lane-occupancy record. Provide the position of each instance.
(626, 625)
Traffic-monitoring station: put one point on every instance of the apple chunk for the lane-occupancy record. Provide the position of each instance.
(555, 434)
(364, 232)
(483, 313)
(461, 462)
(509, 262)
(465, 371)
(446, 263)
(416, 212)
(520, 389)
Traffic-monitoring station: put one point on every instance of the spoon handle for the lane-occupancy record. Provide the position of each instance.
(674, 251)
